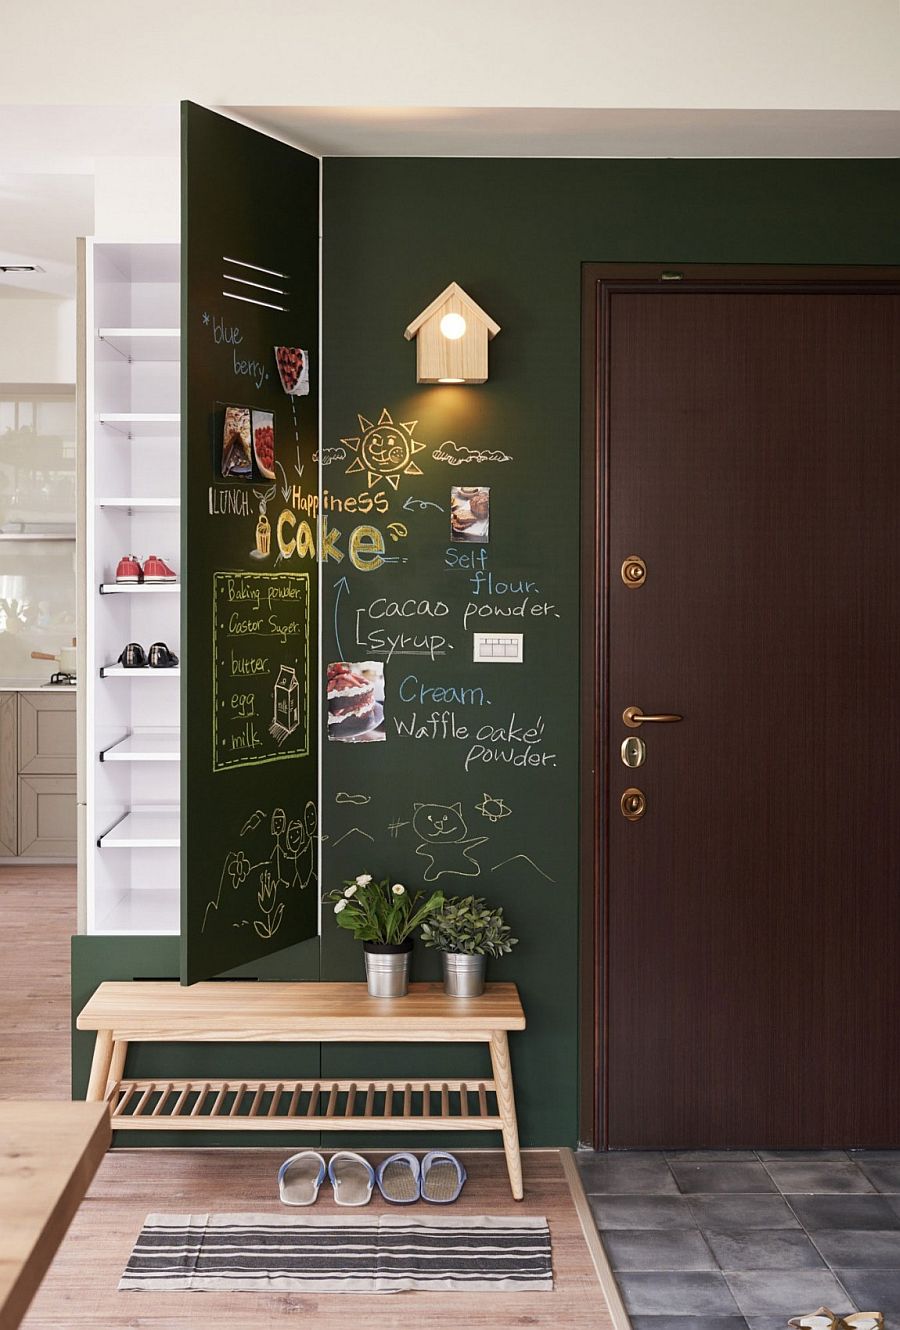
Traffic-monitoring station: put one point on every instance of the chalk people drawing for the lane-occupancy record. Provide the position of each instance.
(445, 842)
(277, 856)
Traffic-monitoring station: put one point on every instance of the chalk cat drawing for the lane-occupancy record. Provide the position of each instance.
(445, 842)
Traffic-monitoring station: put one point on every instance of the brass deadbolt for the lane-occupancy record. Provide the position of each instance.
(633, 804)
(634, 571)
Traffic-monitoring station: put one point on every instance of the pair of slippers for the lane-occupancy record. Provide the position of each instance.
(823, 1319)
(400, 1178)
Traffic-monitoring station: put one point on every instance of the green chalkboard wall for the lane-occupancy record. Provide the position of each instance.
(250, 317)
(514, 234)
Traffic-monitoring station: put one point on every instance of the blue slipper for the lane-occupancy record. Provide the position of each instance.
(399, 1178)
(443, 1177)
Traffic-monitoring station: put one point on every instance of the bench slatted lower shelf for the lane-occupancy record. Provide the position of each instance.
(304, 1105)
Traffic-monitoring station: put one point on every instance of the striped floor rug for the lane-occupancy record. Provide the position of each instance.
(341, 1253)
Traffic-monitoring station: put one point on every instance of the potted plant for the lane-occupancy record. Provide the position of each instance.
(466, 931)
(383, 916)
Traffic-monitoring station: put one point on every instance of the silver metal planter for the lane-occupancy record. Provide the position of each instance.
(463, 975)
(387, 970)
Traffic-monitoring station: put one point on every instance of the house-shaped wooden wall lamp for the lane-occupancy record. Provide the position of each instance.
(452, 339)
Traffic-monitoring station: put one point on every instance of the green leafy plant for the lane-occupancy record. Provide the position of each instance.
(381, 912)
(466, 926)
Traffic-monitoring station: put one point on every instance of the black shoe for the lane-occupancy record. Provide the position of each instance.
(133, 657)
(161, 658)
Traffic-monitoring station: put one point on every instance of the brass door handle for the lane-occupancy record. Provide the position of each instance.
(634, 717)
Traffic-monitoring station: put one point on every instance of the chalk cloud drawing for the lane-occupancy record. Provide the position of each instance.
(277, 856)
(342, 797)
(514, 857)
(457, 454)
(493, 809)
(445, 842)
(328, 455)
(384, 450)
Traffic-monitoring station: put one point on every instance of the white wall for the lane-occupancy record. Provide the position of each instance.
(137, 198)
(37, 340)
(779, 54)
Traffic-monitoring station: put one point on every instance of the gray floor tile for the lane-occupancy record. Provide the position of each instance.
(798, 1156)
(742, 1212)
(642, 1212)
(690, 1323)
(846, 1211)
(657, 1249)
(875, 1156)
(787, 1292)
(585, 1158)
(819, 1179)
(712, 1156)
(624, 1175)
(853, 1249)
(769, 1322)
(764, 1249)
(669, 1294)
(884, 1177)
(873, 1290)
(749, 1177)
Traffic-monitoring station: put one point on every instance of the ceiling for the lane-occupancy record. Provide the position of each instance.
(40, 216)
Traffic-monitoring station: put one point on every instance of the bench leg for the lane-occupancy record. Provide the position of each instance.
(117, 1065)
(506, 1103)
(103, 1049)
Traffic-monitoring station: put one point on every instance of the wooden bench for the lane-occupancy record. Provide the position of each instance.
(124, 1013)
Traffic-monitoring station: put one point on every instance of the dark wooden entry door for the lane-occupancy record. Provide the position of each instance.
(753, 911)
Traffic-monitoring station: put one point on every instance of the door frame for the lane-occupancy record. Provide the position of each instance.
(599, 280)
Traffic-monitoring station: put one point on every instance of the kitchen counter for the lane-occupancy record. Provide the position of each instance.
(33, 686)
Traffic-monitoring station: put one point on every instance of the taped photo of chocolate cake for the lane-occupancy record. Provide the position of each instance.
(293, 370)
(355, 696)
(236, 456)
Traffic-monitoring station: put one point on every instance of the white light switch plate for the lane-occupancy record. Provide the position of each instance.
(498, 648)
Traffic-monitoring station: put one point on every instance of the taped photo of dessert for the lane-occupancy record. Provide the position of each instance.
(355, 697)
(237, 462)
(264, 443)
(470, 513)
(293, 370)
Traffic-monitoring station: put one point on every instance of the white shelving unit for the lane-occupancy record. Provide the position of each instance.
(131, 503)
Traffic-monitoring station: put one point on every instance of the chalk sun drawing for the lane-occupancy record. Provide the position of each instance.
(281, 859)
(445, 842)
(457, 454)
(384, 450)
(493, 809)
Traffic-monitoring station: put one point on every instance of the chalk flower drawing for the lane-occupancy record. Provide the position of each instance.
(384, 450)
(445, 841)
(457, 454)
(493, 809)
(282, 860)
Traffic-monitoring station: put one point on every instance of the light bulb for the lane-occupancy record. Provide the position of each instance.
(453, 326)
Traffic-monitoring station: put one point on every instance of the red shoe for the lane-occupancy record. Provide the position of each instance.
(129, 570)
(157, 570)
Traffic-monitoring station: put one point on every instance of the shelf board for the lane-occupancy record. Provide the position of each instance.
(142, 423)
(142, 910)
(143, 343)
(137, 588)
(157, 745)
(118, 671)
(144, 828)
(137, 504)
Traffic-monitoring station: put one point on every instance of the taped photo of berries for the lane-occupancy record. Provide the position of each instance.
(293, 370)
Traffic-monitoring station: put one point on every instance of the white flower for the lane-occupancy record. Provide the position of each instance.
(351, 891)
(341, 905)
(364, 879)
(398, 890)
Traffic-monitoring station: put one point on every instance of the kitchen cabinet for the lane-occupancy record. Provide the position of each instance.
(37, 775)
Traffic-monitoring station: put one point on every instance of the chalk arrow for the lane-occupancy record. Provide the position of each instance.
(340, 585)
(412, 503)
(286, 487)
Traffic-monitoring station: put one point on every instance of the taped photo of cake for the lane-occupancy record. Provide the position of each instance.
(293, 370)
(470, 513)
(237, 461)
(355, 694)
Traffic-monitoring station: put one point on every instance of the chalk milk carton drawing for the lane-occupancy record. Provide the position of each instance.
(287, 702)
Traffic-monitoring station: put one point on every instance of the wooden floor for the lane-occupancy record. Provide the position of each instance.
(38, 906)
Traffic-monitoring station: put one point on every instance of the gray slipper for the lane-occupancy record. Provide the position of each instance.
(352, 1178)
(442, 1177)
(300, 1178)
